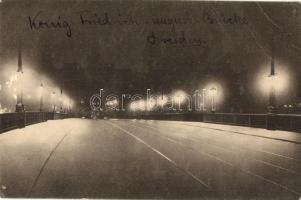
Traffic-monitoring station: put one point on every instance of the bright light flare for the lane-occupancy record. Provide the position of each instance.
(53, 95)
(112, 103)
(65, 102)
(151, 103)
(40, 91)
(71, 104)
(12, 79)
(162, 100)
(137, 105)
(141, 105)
(3, 110)
(179, 96)
(133, 106)
(214, 89)
(280, 81)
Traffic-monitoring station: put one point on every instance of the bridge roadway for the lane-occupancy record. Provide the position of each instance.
(82, 158)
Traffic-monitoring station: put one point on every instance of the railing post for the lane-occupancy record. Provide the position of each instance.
(235, 119)
(291, 123)
(271, 121)
(21, 119)
(249, 120)
(1, 123)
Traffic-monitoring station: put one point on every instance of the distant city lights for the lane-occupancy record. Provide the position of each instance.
(176, 101)
(162, 100)
(178, 98)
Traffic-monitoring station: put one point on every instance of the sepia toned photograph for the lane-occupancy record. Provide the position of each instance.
(150, 99)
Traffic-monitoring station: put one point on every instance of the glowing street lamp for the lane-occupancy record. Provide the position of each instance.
(66, 104)
(19, 105)
(271, 117)
(162, 100)
(203, 95)
(141, 105)
(71, 105)
(133, 106)
(151, 103)
(61, 100)
(272, 92)
(213, 91)
(138, 105)
(179, 97)
(41, 97)
(273, 83)
(53, 100)
(113, 103)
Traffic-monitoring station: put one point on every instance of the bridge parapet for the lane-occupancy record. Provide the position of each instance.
(9, 121)
(287, 122)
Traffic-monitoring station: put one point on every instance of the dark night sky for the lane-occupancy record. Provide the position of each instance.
(119, 55)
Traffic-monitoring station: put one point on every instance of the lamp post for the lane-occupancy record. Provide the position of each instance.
(161, 101)
(179, 98)
(272, 111)
(61, 100)
(69, 105)
(213, 92)
(272, 93)
(53, 100)
(203, 95)
(41, 97)
(19, 105)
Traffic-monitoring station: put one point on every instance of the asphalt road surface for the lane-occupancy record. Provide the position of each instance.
(81, 158)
